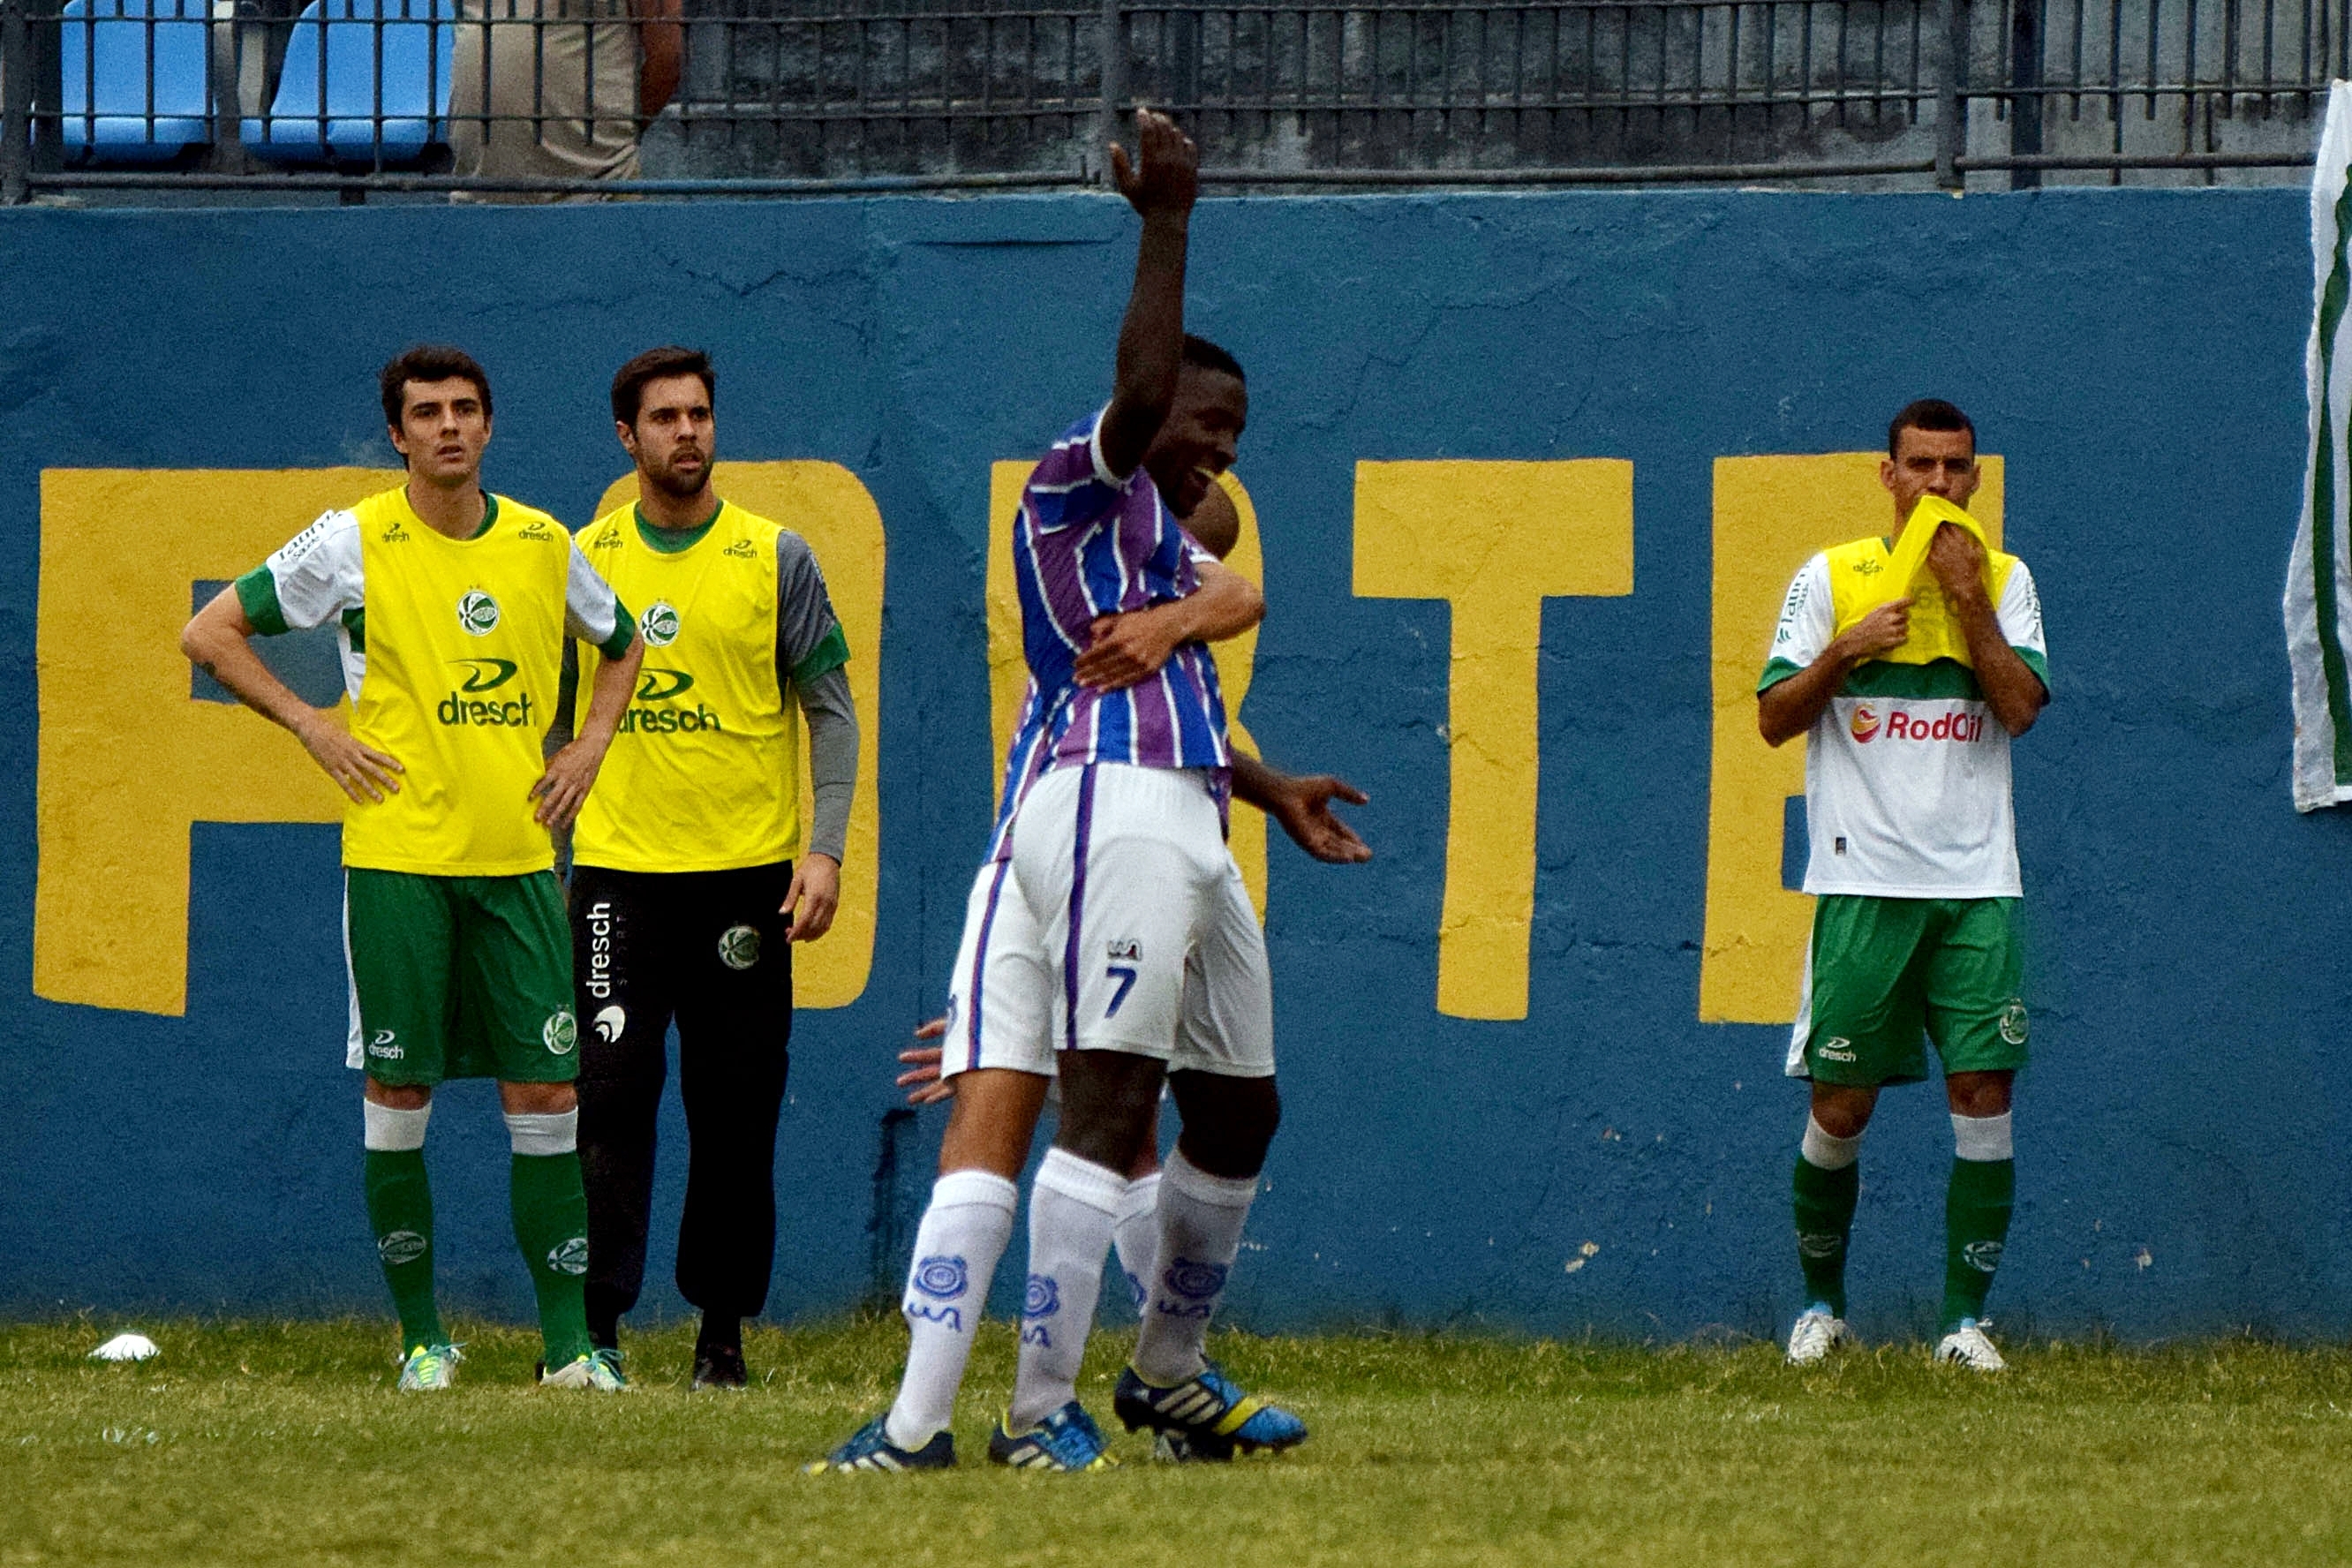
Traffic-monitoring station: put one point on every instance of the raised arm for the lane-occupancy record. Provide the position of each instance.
(2011, 689)
(1160, 186)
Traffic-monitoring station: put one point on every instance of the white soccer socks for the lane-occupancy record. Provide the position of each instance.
(1074, 1207)
(1137, 1237)
(957, 1246)
(1201, 1219)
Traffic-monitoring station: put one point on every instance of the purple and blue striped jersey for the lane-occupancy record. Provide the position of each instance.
(1087, 545)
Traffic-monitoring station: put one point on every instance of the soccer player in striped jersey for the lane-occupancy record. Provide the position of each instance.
(452, 607)
(1908, 705)
(998, 1069)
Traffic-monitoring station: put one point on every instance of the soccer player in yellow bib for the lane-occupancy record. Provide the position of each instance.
(1908, 694)
(686, 892)
(452, 607)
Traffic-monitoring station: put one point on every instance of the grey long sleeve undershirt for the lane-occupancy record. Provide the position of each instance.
(833, 758)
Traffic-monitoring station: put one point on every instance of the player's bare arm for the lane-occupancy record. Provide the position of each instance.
(2011, 689)
(1161, 185)
(219, 641)
(1301, 804)
(1132, 647)
(661, 52)
(572, 771)
(1788, 708)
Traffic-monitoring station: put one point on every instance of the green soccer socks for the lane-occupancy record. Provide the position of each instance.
(400, 1212)
(1976, 1214)
(550, 1225)
(1828, 1181)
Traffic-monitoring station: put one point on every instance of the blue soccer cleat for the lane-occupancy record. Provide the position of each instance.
(870, 1448)
(1205, 1417)
(1068, 1440)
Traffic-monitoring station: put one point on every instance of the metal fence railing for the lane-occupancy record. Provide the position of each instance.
(550, 98)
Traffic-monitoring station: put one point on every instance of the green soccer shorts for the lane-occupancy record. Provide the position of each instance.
(461, 977)
(1883, 973)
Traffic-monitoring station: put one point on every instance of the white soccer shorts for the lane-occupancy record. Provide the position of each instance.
(1140, 912)
(1000, 999)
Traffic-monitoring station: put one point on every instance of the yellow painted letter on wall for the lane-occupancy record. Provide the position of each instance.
(1494, 540)
(1008, 671)
(1770, 515)
(129, 758)
(827, 505)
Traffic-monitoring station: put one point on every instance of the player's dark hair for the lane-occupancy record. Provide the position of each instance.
(629, 381)
(1928, 414)
(1207, 356)
(429, 362)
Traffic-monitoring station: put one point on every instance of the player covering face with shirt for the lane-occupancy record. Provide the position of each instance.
(1908, 695)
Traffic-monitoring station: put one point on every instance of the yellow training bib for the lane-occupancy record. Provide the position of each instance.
(1866, 574)
(463, 640)
(704, 775)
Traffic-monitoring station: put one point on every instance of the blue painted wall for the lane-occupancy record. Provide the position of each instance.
(2135, 355)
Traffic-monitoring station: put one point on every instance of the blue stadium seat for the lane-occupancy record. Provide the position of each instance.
(109, 51)
(327, 106)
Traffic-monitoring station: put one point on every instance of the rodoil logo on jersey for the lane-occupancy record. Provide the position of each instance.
(1956, 725)
(464, 706)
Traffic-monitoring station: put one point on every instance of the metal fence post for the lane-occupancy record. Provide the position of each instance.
(1114, 80)
(16, 103)
(1951, 100)
(2025, 78)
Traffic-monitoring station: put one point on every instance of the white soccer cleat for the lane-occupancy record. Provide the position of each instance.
(1817, 1333)
(599, 1370)
(1967, 1346)
(429, 1369)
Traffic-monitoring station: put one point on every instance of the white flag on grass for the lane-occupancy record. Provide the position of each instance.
(2319, 578)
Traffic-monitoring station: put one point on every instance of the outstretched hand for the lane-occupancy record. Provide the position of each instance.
(1167, 176)
(921, 1081)
(1303, 807)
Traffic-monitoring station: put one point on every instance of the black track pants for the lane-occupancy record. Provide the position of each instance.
(707, 947)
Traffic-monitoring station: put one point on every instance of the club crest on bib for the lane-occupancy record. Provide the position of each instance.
(561, 1033)
(739, 947)
(660, 624)
(478, 613)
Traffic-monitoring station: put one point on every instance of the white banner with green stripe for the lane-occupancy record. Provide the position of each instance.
(2319, 579)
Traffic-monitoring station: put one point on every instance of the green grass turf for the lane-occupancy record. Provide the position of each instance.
(285, 1442)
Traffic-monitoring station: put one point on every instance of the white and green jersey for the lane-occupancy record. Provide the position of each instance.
(1906, 771)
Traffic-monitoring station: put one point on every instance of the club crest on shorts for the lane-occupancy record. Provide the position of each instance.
(569, 1257)
(478, 613)
(398, 1247)
(1126, 950)
(561, 1033)
(611, 1022)
(738, 946)
(2012, 1021)
(660, 624)
(942, 1278)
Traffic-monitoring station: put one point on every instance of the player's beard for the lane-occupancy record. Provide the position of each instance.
(676, 486)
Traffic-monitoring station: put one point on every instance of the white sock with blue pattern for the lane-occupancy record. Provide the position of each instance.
(962, 1234)
(1201, 1220)
(1072, 1210)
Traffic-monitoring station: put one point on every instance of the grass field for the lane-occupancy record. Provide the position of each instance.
(265, 1444)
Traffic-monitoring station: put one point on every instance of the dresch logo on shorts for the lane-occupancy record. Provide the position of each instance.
(600, 950)
(1958, 727)
(463, 707)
